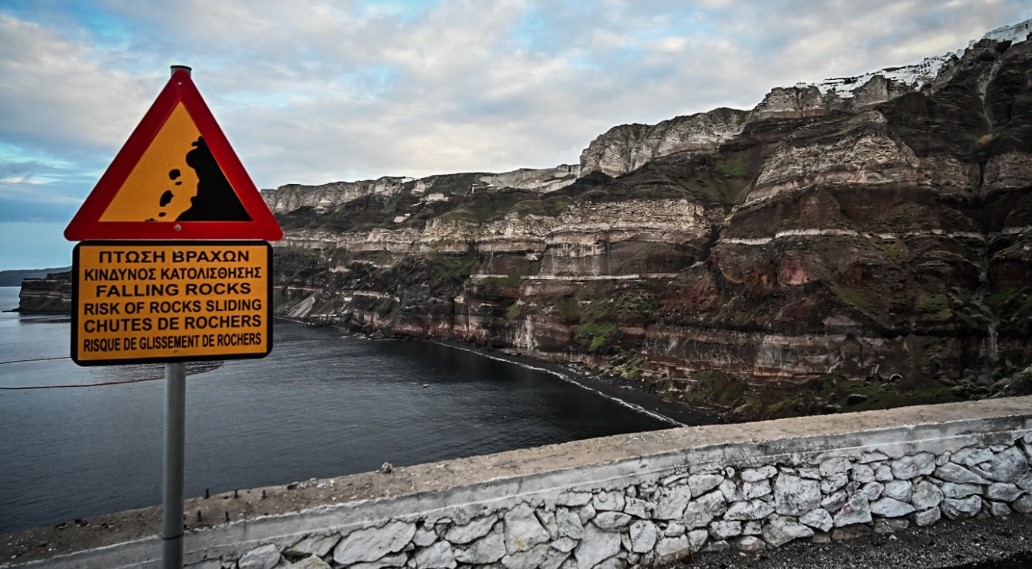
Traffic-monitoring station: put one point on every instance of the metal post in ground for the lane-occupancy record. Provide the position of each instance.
(175, 443)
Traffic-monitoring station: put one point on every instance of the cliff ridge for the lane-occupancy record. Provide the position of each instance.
(817, 253)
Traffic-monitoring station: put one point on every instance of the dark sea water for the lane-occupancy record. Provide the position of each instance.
(320, 405)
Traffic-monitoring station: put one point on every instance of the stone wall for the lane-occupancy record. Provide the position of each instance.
(642, 499)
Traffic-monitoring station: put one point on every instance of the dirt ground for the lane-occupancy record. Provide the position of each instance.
(991, 543)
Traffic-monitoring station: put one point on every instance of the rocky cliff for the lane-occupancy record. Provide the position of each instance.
(52, 294)
(627, 147)
(291, 197)
(816, 253)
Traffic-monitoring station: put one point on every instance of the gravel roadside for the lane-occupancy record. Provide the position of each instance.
(993, 543)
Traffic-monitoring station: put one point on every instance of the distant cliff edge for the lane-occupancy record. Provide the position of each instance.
(14, 277)
(51, 294)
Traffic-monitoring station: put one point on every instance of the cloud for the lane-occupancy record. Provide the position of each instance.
(58, 94)
(40, 189)
(37, 191)
(39, 245)
(29, 210)
(313, 91)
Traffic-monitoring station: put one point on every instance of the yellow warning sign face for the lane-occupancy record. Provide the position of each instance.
(162, 185)
(176, 179)
(170, 301)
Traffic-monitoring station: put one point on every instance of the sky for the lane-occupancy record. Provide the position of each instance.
(312, 91)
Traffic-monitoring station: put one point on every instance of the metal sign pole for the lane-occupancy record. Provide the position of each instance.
(175, 445)
(175, 439)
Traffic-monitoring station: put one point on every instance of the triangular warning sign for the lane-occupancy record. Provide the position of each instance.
(176, 177)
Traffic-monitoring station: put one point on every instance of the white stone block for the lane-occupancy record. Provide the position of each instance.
(794, 496)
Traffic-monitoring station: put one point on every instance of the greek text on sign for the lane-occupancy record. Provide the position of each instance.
(170, 301)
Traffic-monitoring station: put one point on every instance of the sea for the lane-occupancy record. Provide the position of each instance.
(81, 441)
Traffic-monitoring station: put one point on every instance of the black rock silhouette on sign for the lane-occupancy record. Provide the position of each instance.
(215, 199)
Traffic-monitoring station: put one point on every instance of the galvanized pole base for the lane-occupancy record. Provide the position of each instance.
(175, 439)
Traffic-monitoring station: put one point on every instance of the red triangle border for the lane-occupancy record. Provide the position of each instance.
(86, 224)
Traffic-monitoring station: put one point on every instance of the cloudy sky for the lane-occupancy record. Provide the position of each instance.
(318, 91)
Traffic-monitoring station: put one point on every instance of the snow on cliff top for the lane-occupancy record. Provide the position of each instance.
(919, 74)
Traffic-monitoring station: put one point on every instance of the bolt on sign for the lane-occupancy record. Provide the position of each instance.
(170, 301)
(157, 277)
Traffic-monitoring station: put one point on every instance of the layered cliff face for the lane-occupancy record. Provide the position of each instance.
(807, 101)
(292, 197)
(52, 294)
(808, 256)
(627, 147)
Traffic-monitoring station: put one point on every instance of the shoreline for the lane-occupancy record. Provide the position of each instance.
(626, 394)
(609, 387)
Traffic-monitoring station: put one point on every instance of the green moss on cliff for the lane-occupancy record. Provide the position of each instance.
(569, 309)
(514, 311)
(833, 393)
(999, 298)
(713, 387)
(934, 307)
(298, 265)
(450, 267)
(461, 184)
(595, 335)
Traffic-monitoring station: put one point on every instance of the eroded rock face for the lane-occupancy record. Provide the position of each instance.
(327, 197)
(808, 101)
(862, 154)
(293, 196)
(790, 103)
(880, 243)
(46, 295)
(627, 147)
